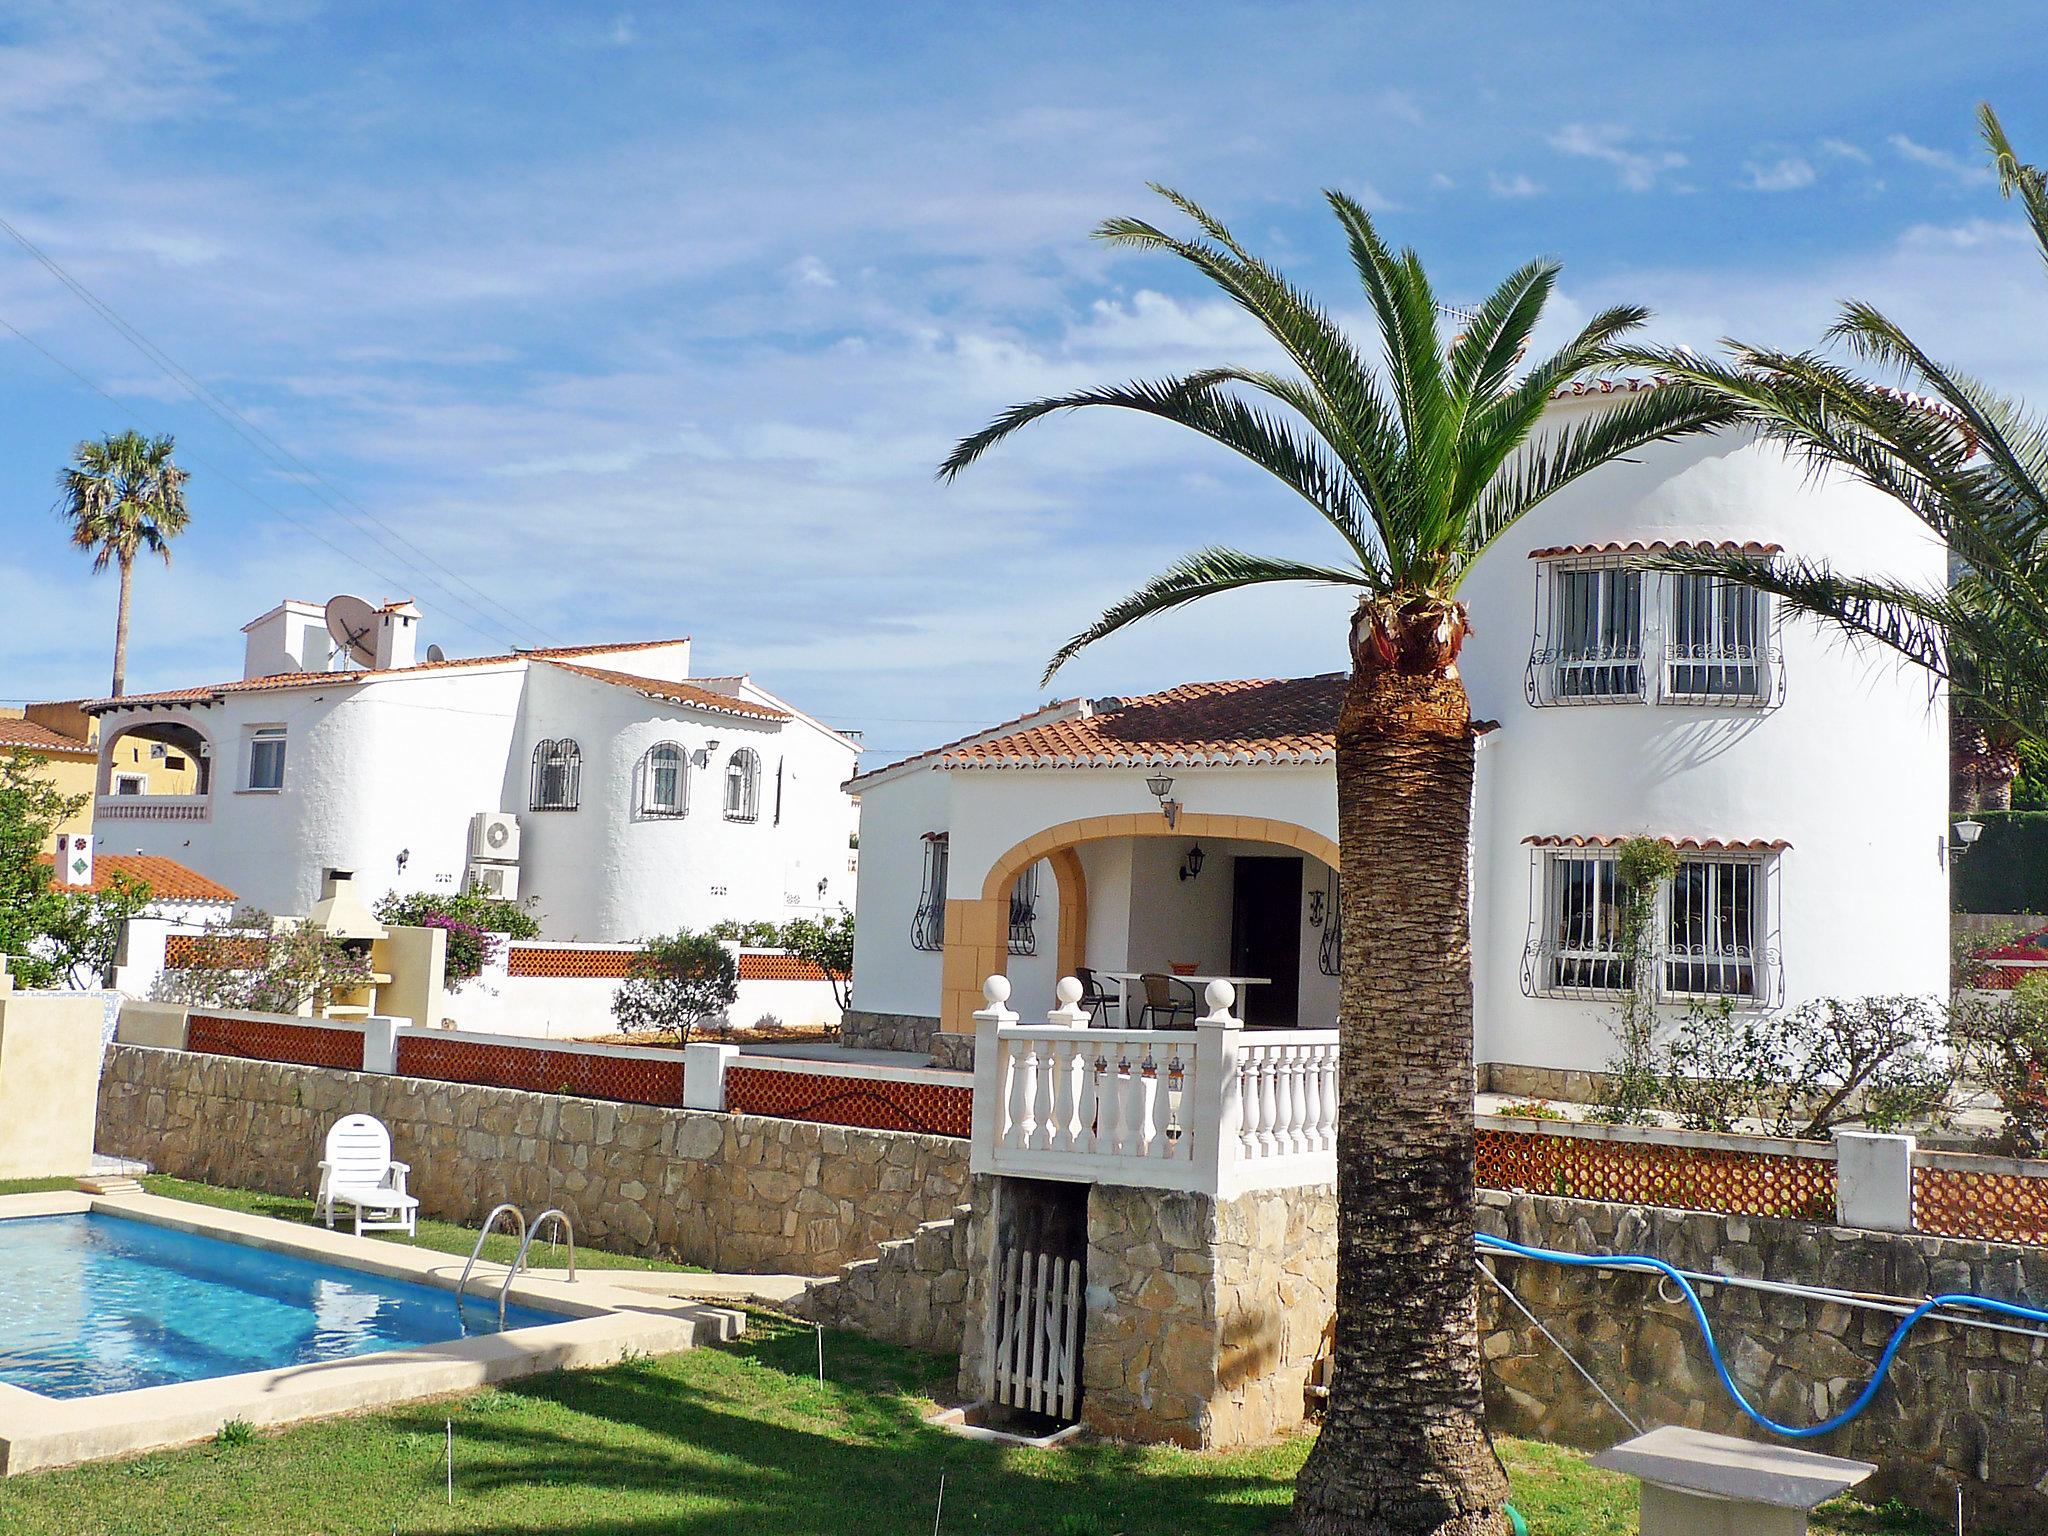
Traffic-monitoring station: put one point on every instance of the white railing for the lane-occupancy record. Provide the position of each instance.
(152, 807)
(1208, 1109)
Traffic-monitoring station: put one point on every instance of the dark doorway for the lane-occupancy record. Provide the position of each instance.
(1265, 937)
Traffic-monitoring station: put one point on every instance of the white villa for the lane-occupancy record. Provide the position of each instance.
(602, 785)
(1801, 778)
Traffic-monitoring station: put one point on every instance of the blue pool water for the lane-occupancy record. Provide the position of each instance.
(96, 1303)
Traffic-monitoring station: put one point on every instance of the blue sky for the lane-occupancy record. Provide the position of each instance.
(655, 320)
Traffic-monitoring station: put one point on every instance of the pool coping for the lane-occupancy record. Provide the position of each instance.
(603, 1325)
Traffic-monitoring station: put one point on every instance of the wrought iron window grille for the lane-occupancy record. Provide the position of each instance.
(928, 926)
(1024, 913)
(665, 782)
(743, 785)
(1330, 949)
(557, 776)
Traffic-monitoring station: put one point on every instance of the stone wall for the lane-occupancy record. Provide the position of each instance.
(871, 1031)
(731, 1192)
(952, 1050)
(912, 1292)
(1958, 1402)
(1203, 1317)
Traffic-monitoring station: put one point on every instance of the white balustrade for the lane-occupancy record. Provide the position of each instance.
(1209, 1108)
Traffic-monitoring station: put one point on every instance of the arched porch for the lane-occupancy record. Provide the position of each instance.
(1150, 907)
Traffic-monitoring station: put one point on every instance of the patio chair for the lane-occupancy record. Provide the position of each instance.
(1161, 1003)
(1095, 999)
(360, 1172)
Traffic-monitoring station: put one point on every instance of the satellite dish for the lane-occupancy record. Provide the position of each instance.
(435, 653)
(352, 621)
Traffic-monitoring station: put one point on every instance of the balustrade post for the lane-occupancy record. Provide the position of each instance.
(1065, 1069)
(991, 1079)
(1211, 1109)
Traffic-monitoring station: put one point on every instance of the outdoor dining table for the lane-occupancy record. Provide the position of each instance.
(1125, 979)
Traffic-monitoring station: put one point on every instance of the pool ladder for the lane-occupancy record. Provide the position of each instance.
(527, 1234)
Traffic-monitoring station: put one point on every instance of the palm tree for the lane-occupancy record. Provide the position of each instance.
(123, 494)
(1969, 462)
(1418, 465)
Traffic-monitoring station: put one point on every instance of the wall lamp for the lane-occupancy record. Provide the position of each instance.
(1967, 833)
(703, 753)
(1191, 866)
(1162, 787)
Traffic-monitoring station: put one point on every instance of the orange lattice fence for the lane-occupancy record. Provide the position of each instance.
(780, 968)
(547, 960)
(305, 1045)
(876, 1103)
(185, 951)
(1714, 1179)
(536, 1069)
(1989, 1206)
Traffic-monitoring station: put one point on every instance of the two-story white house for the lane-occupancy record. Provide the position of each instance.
(1801, 779)
(603, 786)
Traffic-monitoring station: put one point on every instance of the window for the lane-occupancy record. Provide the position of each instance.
(131, 783)
(1714, 641)
(174, 763)
(1708, 934)
(1583, 925)
(557, 775)
(1596, 638)
(665, 781)
(928, 927)
(1711, 938)
(266, 757)
(1024, 913)
(743, 785)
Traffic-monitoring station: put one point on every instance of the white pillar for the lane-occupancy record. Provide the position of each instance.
(1874, 1181)
(991, 1086)
(704, 1064)
(1212, 1111)
(380, 1043)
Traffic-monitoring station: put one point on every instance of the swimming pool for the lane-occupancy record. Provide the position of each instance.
(93, 1303)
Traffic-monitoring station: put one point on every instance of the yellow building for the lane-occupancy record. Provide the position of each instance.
(65, 740)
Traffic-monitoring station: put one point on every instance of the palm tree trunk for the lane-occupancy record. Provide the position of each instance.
(1404, 1449)
(127, 563)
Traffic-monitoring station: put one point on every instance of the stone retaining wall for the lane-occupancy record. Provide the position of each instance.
(871, 1031)
(731, 1192)
(1958, 1403)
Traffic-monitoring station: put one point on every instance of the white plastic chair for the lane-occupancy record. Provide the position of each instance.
(359, 1171)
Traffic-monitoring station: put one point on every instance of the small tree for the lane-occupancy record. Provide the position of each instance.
(2005, 1038)
(1632, 1088)
(676, 982)
(758, 933)
(49, 934)
(254, 965)
(827, 943)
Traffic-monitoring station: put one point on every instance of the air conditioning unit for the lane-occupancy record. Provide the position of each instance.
(494, 837)
(501, 880)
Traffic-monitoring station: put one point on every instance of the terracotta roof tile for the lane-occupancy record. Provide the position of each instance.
(1258, 720)
(17, 732)
(167, 879)
(1660, 547)
(1679, 844)
(678, 693)
(212, 691)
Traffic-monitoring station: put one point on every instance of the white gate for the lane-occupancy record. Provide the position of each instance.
(1037, 1332)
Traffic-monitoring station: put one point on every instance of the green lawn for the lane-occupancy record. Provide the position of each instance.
(441, 1236)
(738, 1439)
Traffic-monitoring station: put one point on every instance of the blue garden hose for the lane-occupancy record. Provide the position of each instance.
(1501, 1245)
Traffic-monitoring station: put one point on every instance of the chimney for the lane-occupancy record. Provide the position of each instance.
(341, 911)
(292, 637)
(74, 859)
(398, 633)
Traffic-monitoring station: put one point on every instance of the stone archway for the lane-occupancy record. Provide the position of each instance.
(977, 928)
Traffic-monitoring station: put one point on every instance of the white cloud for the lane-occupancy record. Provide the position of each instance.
(1786, 175)
(1639, 169)
(1517, 185)
(1846, 150)
(809, 272)
(1967, 172)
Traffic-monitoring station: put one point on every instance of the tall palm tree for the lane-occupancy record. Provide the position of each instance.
(1969, 462)
(1418, 464)
(121, 495)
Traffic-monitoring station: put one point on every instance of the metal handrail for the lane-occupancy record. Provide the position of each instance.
(489, 1222)
(519, 1259)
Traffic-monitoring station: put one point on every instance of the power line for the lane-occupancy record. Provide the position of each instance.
(261, 440)
(228, 479)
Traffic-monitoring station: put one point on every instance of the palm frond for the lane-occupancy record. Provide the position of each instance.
(1201, 574)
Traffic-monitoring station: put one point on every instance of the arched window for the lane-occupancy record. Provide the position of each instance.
(557, 772)
(743, 785)
(665, 781)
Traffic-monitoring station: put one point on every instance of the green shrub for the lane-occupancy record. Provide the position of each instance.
(676, 982)
(235, 1432)
(2005, 870)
